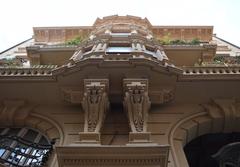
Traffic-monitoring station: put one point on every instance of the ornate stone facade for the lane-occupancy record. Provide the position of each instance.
(120, 98)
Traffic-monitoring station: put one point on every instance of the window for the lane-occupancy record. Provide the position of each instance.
(119, 48)
(122, 50)
(120, 34)
(23, 147)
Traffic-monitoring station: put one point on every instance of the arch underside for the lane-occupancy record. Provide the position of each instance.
(217, 116)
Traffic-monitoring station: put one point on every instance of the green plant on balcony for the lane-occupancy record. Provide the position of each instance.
(167, 41)
(219, 59)
(75, 41)
(195, 41)
(237, 59)
(10, 62)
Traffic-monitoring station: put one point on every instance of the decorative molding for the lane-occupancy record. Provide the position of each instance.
(161, 97)
(225, 109)
(71, 95)
(14, 112)
(228, 107)
(134, 155)
(210, 73)
(137, 105)
(216, 116)
(95, 104)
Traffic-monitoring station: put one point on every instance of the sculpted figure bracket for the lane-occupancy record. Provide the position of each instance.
(137, 104)
(95, 103)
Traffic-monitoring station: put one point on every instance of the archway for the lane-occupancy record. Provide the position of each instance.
(217, 116)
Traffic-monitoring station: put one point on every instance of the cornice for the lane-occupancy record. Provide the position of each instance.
(192, 47)
(113, 155)
(52, 48)
(27, 74)
(210, 73)
(50, 73)
(118, 61)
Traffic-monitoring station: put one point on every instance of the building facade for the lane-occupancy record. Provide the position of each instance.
(121, 92)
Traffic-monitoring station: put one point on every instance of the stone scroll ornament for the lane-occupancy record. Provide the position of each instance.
(95, 104)
(137, 103)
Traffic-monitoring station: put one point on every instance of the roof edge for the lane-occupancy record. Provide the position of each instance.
(16, 45)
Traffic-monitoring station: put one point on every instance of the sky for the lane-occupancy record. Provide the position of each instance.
(17, 17)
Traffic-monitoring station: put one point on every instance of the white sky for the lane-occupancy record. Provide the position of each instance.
(17, 17)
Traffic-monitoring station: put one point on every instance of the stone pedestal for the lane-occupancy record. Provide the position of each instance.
(89, 138)
(139, 137)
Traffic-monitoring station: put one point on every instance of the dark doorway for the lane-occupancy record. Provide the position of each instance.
(200, 150)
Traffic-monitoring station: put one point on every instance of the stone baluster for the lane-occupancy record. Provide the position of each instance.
(139, 48)
(134, 46)
(94, 47)
(134, 32)
(108, 31)
(159, 55)
(143, 47)
(104, 46)
(99, 47)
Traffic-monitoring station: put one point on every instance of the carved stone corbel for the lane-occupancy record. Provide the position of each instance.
(95, 104)
(137, 105)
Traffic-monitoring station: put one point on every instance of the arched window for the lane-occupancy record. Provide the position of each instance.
(23, 147)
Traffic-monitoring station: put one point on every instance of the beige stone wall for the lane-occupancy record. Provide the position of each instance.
(59, 34)
(176, 123)
(203, 33)
(63, 34)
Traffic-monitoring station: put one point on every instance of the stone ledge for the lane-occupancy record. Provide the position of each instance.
(130, 155)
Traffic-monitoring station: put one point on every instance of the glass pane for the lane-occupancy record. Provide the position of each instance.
(30, 135)
(13, 131)
(119, 49)
(120, 34)
(1, 129)
(22, 150)
(2, 151)
(43, 141)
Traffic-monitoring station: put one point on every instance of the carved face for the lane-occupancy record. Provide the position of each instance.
(94, 95)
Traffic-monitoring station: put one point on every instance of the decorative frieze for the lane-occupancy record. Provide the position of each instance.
(71, 95)
(162, 96)
(95, 155)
